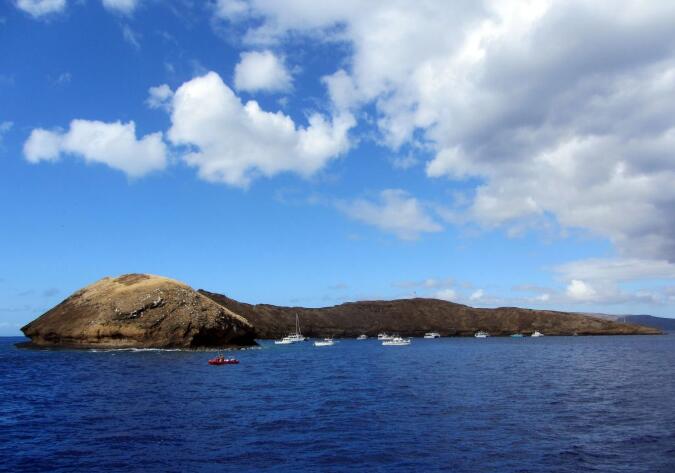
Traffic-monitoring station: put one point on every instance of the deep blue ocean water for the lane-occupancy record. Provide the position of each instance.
(554, 404)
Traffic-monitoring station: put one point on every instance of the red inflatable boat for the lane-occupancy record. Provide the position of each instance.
(221, 360)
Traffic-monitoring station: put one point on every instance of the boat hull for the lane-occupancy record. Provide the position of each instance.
(217, 362)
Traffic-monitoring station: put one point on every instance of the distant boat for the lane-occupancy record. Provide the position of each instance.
(396, 342)
(517, 335)
(221, 360)
(293, 337)
(432, 335)
(537, 333)
(384, 336)
(362, 337)
(326, 342)
(481, 334)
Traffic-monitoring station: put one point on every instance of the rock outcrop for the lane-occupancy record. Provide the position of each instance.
(139, 310)
(414, 317)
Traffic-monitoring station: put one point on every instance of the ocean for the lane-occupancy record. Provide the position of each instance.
(553, 404)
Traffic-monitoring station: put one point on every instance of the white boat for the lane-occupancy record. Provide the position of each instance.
(293, 337)
(396, 342)
(481, 334)
(432, 335)
(384, 336)
(362, 337)
(537, 333)
(326, 342)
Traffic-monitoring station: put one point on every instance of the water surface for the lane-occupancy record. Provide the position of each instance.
(554, 404)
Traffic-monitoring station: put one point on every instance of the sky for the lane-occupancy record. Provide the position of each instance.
(490, 153)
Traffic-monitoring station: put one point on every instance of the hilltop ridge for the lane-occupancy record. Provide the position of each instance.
(414, 317)
(139, 310)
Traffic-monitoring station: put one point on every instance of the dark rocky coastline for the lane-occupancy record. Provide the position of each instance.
(145, 311)
(414, 317)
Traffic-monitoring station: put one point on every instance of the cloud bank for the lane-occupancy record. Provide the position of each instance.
(560, 109)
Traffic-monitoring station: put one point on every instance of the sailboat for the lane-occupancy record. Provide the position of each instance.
(293, 337)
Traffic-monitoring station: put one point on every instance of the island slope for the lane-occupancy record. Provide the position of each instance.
(139, 310)
(414, 317)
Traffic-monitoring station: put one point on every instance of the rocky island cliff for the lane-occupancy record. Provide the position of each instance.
(414, 317)
(145, 311)
(139, 310)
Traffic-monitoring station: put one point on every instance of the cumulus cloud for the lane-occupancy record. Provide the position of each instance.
(560, 109)
(160, 97)
(580, 291)
(395, 212)
(232, 142)
(113, 144)
(261, 71)
(39, 8)
(126, 7)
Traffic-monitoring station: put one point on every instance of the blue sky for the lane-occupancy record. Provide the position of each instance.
(294, 153)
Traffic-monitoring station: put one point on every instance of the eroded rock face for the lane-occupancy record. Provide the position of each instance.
(139, 310)
(414, 317)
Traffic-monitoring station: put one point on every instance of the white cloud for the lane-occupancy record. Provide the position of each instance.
(114, 144)
(561, 109)
(231, 9)
(395, 212)
(126, 7)
(580, 291)
(160, 97)
(234, 142)
(42, 145)
(617, 269)
(447, 294)
(477, 295)
(261, 71)
(38, 8)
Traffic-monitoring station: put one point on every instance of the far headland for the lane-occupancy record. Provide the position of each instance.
(147, 311)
